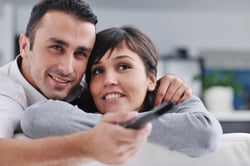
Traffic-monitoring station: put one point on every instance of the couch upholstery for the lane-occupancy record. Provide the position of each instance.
(233, 150)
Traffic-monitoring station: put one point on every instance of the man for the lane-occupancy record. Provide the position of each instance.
(53, 57)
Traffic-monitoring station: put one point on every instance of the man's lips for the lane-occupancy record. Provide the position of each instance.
(60, 80)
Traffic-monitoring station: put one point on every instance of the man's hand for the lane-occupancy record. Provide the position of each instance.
(172, 88)
(111, 143)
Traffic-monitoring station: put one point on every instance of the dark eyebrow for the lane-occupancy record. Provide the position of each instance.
(58, 41)
(85, 49)
(123, 56)
(115, 58)
(64, 43)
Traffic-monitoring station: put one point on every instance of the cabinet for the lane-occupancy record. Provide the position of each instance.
(234, 121)
(188, 68)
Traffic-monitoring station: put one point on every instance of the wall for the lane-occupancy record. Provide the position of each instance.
(196, 30)
(207, 31)
(7, 32)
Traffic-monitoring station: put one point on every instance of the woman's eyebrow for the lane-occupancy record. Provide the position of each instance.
(115, 58)
(123, 56)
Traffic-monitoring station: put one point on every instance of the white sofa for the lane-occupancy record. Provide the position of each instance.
(233, 150)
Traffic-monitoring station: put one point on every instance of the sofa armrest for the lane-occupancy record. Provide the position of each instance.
(233, 150)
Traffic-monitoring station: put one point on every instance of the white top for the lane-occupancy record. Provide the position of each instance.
(15, 95)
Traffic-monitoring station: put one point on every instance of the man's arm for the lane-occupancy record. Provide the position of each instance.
(49, 151)
(107, 142)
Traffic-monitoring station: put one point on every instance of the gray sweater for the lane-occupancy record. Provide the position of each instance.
(188, 128)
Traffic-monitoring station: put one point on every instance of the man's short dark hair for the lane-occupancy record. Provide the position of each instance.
(77, 8)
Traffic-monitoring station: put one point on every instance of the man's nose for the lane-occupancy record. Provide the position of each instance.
(67, 64)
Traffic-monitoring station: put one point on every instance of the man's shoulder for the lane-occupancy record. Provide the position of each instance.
(11, 88)
(7, 81)
(5, 69)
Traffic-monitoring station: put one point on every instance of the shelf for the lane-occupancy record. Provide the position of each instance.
(237, 115)
(234, 121)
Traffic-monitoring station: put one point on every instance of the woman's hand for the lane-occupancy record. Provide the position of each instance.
(172, 88)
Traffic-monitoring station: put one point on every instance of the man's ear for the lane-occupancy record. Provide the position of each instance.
(151, 82)
(24, 45)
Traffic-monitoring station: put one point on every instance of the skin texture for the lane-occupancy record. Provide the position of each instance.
(59, 55)
(172, 89)
(54, 65)
(119, 81)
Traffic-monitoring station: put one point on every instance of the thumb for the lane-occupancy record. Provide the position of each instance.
(119, 116)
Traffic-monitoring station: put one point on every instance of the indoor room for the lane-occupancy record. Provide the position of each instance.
(205, 43)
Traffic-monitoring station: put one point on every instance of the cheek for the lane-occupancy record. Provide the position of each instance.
(80, 68)
(94, 86)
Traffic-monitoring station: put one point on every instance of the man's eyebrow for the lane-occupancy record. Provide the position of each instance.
(85, 49)
(62, 42)
(58, 41)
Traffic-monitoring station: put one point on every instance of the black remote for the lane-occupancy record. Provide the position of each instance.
(153, 114)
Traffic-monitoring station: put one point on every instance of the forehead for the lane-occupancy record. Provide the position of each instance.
(65, 26)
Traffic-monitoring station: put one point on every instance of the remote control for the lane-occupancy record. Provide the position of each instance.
(153, 114)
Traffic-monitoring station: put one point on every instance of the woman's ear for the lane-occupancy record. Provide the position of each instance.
(24, 45)
(151, 82)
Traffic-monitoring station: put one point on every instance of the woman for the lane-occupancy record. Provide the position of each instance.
(121, 76)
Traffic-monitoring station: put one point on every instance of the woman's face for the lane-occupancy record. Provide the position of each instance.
(119, 81)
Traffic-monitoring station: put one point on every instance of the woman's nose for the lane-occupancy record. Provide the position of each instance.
(110, 79)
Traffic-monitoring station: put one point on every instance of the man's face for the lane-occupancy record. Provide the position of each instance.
(60, 53)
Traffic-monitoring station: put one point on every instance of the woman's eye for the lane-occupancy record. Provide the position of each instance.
(97, 71)
(123, 67)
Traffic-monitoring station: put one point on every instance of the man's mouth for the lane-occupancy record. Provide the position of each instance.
(60, 80)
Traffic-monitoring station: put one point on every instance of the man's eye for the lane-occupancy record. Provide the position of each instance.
(56, 47)
(97, 71)
(81, 53)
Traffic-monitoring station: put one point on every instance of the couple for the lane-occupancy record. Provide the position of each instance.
(121, 76)
(54, 53)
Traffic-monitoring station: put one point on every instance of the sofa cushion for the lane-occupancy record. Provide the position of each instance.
(233, 150)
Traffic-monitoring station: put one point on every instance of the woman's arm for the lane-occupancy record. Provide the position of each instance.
(54, 117)
(189, 128)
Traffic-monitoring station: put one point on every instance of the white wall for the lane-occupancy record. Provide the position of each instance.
(168, 29)
(6, 33)
(195, 30)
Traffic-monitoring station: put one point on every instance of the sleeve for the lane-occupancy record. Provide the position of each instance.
(189, 128)
(54, 117)
(12, 103)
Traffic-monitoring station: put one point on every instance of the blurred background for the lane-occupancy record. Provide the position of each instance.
(206, 43)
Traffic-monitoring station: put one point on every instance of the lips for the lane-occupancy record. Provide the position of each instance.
(60, 80)
(112, 96)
